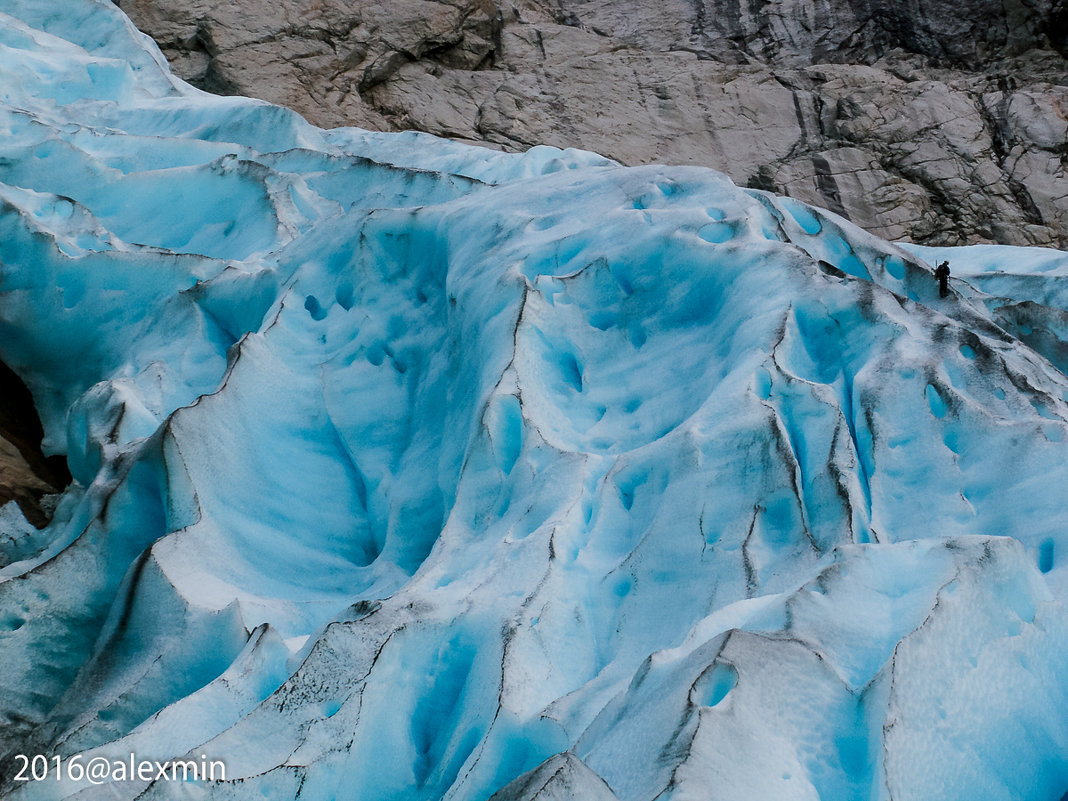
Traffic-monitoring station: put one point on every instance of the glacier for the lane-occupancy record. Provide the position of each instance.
(405, 469)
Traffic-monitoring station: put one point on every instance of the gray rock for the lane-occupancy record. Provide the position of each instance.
(926, 122)
(27, 477)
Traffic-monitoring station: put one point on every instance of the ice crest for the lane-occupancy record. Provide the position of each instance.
(411, 470)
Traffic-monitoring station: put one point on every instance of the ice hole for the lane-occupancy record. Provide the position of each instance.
(317, 312)
(11, 623)
(895, 267)
(716, 232)
(344, 296)
(1043, 410)
(935, 401)
(951, 440)
(763, 383)
(804, 216)
(628, 483)
(716, 683)
(602, 320)
(506, 430)
(619, 272)
(1045, 556)
(376, 354)
(570, 370)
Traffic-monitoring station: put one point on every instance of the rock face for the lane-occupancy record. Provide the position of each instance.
(26, 476)
(922, 121)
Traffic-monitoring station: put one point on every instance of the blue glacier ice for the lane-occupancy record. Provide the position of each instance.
(407, 470)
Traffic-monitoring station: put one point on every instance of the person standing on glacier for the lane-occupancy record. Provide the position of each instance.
(942, 274)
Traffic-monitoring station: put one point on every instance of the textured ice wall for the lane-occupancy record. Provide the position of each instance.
(404, 468)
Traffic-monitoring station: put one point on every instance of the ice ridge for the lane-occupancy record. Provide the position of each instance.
(410, 470)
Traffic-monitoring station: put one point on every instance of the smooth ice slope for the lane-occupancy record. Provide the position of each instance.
(408, 470)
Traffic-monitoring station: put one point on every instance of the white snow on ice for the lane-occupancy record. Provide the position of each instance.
(411, 470)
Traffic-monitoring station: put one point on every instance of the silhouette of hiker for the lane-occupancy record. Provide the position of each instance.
(942, 274)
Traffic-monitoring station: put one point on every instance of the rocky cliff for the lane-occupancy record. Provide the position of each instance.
(26, 475)
(938, 122)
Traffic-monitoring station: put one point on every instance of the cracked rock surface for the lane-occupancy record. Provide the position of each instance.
(938, 122)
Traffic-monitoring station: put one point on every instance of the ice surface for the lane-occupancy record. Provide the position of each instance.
(410, 470)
